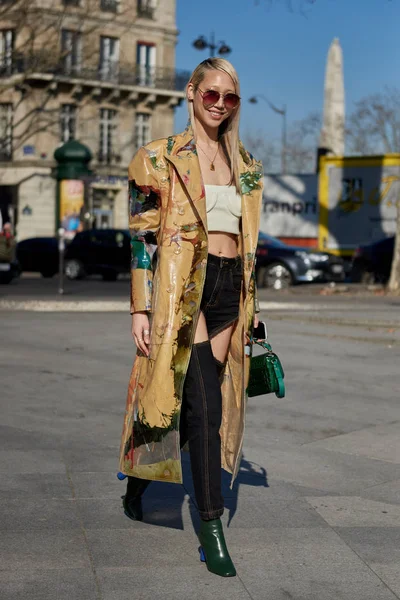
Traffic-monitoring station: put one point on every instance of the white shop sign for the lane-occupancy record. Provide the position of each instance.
(290, 206)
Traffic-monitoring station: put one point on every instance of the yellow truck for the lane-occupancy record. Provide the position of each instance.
(358, 198)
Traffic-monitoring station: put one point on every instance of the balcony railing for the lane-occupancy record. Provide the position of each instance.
(138, 75)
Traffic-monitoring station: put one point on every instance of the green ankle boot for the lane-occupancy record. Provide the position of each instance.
(213, 550)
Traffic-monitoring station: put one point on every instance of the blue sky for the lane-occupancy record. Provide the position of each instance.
(282, 54)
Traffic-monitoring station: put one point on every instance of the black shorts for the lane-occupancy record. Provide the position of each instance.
(221, 294)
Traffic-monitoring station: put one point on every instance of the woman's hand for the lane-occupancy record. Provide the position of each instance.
(141, 331)
(246, 337)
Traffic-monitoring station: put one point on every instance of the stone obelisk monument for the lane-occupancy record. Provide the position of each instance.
(333, 127)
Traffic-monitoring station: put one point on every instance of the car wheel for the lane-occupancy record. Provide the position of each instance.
(17, 270)
(110, 276)
(6, 278)
(276, 276)
(74, 269)
(360, 274)
(368, 278)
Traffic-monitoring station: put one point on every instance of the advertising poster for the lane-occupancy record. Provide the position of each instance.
(290, 206)
(71, 203)
(358, 200)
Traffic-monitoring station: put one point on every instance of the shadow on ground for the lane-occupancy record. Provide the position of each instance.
(163, 503)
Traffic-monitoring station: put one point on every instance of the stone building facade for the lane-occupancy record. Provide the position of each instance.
(99, 71)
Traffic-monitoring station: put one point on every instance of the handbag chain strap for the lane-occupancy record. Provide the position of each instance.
(263, 344)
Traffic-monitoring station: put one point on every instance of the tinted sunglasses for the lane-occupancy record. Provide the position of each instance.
(211, 97)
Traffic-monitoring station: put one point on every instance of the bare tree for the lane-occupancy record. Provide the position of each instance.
(301, 6)
(394, 280)
(374, 125)
(263, 149)
(374, 128)
(49, 41)
(302, 144)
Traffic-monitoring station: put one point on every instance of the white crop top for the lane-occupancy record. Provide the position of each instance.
(224, 208)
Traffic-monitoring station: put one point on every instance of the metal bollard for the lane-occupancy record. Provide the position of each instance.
(61, 250)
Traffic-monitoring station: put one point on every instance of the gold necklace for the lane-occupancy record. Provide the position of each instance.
(212, 167)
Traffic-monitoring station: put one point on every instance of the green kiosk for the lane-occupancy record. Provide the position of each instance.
(72, 172)
(73, 175)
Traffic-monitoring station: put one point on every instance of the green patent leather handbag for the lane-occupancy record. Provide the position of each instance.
(266, 373)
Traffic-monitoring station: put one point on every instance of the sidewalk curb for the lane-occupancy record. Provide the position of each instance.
(123, 306)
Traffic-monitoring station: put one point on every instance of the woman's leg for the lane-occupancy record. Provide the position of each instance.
(199, 423)
(202, 415)
(220, 344)
(203, 407)
(132, 501)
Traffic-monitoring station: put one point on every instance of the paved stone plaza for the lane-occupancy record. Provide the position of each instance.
(315, 514)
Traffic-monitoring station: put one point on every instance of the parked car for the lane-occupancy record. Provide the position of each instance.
(38, 254)
(105, 252)
(372, 263)
(279, 265)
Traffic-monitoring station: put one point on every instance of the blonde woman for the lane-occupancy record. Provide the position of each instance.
(195, 201)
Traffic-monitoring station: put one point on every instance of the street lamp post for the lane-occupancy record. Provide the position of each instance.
(280, 111)
(201, 43)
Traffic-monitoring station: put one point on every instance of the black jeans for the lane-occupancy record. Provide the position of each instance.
(201, 412)
(202, 400)
(221, 294)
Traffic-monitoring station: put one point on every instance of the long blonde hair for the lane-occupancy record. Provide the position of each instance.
(228, 130)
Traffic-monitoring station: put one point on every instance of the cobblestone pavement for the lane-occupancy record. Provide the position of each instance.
(314, 515)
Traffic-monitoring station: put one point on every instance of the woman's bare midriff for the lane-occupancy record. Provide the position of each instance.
(222, 244)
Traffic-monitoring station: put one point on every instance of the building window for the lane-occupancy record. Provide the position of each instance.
(146, 63)
(71, 46)
(109, 5)
(109, 58)
(72, 2)
(108, 128)
(146, 8)
(6, 124)
(142, 130)
(6, 51)
(67, 122)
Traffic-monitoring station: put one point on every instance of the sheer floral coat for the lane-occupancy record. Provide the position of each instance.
(168, 224)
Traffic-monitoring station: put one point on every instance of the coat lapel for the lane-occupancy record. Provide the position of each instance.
(250, 175)
(184, 159)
